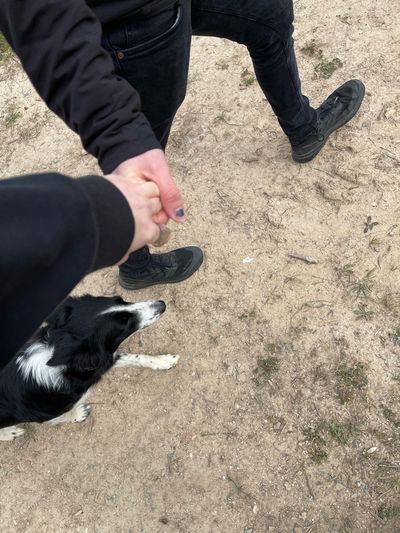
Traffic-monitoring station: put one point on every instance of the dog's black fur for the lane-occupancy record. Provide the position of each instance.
(83, 341)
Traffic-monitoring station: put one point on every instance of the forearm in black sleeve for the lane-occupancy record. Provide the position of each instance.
(59, 44)
(53, 231)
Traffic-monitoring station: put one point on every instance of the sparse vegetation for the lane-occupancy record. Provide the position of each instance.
(222, 65)
(247, 78)
(346, 272)
(5, 50)
(350, 380)
(375, 243)
(266, 367)
(395, 336)
(362, 313)
(391, 416)
(341, 432)
(369, 225)
(386, 512)
(363, 286)
(248, 314)
(319, 374)
(346, 525)
(316, 445)
(287, 396)
(326, 68)
(12, 115)
(311, 49)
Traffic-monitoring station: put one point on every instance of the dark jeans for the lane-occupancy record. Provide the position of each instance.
(153, 55)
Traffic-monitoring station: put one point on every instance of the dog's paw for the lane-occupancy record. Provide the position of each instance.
(10, 433)
(164, 362)
(81, 412)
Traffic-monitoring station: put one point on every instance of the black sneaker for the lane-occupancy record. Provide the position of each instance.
(171, 267)
(335, 112)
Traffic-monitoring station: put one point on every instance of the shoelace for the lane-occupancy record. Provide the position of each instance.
(326, 107)
(158, 261)
(162, 261)
(324, 110)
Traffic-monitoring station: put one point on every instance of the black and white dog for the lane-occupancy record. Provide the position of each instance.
(49, 379)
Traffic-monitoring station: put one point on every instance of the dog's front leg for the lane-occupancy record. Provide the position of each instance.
(79, 413)
(161, 362)
(10, 433)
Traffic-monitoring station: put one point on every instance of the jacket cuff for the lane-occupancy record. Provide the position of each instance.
(115, 225)
(133, 139)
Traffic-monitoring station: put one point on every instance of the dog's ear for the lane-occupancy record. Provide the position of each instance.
(77, 355)
(60, 316)
(66, 349)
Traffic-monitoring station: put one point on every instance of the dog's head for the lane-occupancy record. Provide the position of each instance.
(96, 324)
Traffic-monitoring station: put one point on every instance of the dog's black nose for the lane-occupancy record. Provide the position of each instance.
(160, 306)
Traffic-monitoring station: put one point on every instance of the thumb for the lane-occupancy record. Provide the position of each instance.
(171, 200)
(170, 195)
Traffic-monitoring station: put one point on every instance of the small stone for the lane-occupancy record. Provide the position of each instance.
(165, 234)
(372, 450)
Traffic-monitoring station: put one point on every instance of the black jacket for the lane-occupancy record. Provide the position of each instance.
(59, 44)
(53, 231)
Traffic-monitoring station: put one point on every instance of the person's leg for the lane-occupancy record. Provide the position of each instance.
(152, 54)
(266, 27)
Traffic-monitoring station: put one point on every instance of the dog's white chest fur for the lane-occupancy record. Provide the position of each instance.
(33, 365)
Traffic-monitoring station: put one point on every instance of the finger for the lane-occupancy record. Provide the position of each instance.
(155, 233)
(154, 205)
(172, 201)
(161, 218)
(150, 189)
(165, 234)
(171, 197)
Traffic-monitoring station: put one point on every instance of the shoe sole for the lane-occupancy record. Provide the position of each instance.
(310, 155)
(145, 284)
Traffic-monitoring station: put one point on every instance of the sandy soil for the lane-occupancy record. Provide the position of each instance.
(283, 413)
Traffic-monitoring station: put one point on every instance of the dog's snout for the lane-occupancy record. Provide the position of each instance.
(160, 306)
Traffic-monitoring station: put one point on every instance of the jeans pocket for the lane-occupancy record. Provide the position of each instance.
(144, 34)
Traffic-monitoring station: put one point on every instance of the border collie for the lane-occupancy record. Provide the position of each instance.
(49, 379)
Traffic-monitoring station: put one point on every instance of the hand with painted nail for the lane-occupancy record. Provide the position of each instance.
(143, 198)
(152, 166)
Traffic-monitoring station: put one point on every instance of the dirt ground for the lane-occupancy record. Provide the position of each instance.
(283, 413)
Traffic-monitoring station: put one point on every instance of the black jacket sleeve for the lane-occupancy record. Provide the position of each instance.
(53, 231)
(59, 44)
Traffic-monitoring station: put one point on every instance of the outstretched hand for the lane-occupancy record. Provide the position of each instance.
(153, 167)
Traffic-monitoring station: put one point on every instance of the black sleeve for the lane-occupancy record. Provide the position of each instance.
(59, 44)
(53, 231)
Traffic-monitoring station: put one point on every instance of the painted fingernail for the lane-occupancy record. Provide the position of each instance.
(180, 212)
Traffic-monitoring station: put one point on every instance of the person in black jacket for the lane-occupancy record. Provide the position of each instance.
(53, 231)
(90, 60)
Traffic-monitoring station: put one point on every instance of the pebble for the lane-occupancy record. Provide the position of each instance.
(372, 450)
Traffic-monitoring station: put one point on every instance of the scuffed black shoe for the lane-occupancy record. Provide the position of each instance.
(170, 267)
(335, 112)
